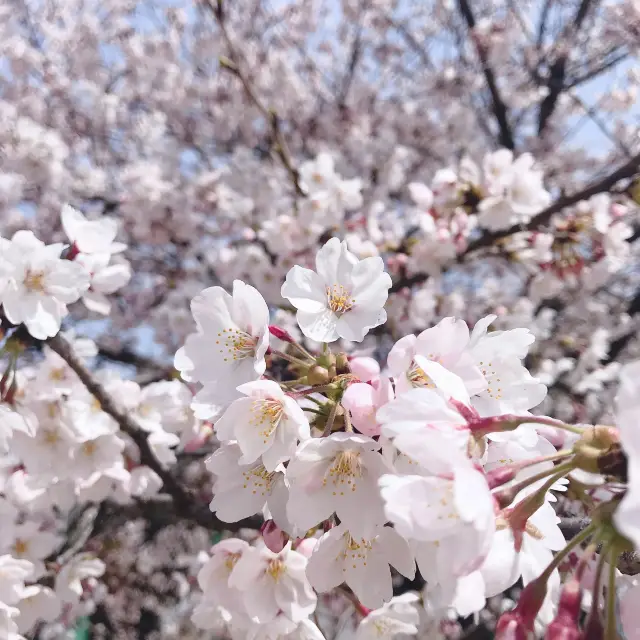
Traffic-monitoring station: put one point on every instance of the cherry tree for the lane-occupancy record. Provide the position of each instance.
(319, 318)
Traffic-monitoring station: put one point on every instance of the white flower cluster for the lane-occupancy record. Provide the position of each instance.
(37, 283)
(363, 474)
(435, 461)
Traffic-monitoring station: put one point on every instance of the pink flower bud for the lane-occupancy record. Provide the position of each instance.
(279, 333)
(510, 627)
(305, 546)
(365, 368)
(594, 628)
(274, 537)
(565, 624)
(558, 631)
(520, 622)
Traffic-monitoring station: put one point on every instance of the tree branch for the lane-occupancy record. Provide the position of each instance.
(628, 170)
(558, 70)
(185, 503)
(499, 108)
(234, 66)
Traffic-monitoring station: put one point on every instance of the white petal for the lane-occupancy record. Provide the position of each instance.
(305, 290)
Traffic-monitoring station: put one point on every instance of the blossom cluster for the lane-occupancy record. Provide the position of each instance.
(431, 464)
(434, 462)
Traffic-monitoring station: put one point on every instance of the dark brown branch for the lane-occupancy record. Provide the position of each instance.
(185, 504)
(126, 356)
(558, 70)
(628, 170)
(499, 108)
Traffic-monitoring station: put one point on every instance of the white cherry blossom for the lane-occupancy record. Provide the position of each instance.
(90, 236)
(343, 298)
(362, 563)
(229, 346)
(272, 582)
(266, 424)
(336, 474)
(37, 285)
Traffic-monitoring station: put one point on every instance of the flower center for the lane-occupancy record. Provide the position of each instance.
(258, 479)
(276, 569)
(266, 415)
(346, 469)
(444, 508)
(34, 281)
(20, 547)
(236, 344)
(89, 448)
(231, 560)
(51, 437)
(418, 378)
(355, 551)
(383, 627)
(339, 299)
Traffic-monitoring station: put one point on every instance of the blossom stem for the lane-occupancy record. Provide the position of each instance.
(551, 422)
(185, 502)
(597, 583)
(611, 632)
(557, 472)
(291, 383)
(330, 420)
(348, 427)
(303, 351)
(306, 392)
(288, 358)
(358, 606)
(570, 546)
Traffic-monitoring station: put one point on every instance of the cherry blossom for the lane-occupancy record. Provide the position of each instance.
(267, 424)
(229, 347)
(343, 298)
(37, 284)
(336, 474)
(273, 582)
(362, 563)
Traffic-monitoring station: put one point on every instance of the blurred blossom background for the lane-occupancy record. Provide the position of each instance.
(487, 150)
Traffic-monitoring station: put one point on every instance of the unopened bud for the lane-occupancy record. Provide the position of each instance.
(326, 360)
(510, 627)
(592, 445)
(593, 628)
(529, 603)
(317, 376)
(557, 631)
(342, 364)
(281, 334)
(565, 624)
(274, 537)
(365, 368)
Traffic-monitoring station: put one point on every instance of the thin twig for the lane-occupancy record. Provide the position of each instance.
(234, 65)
